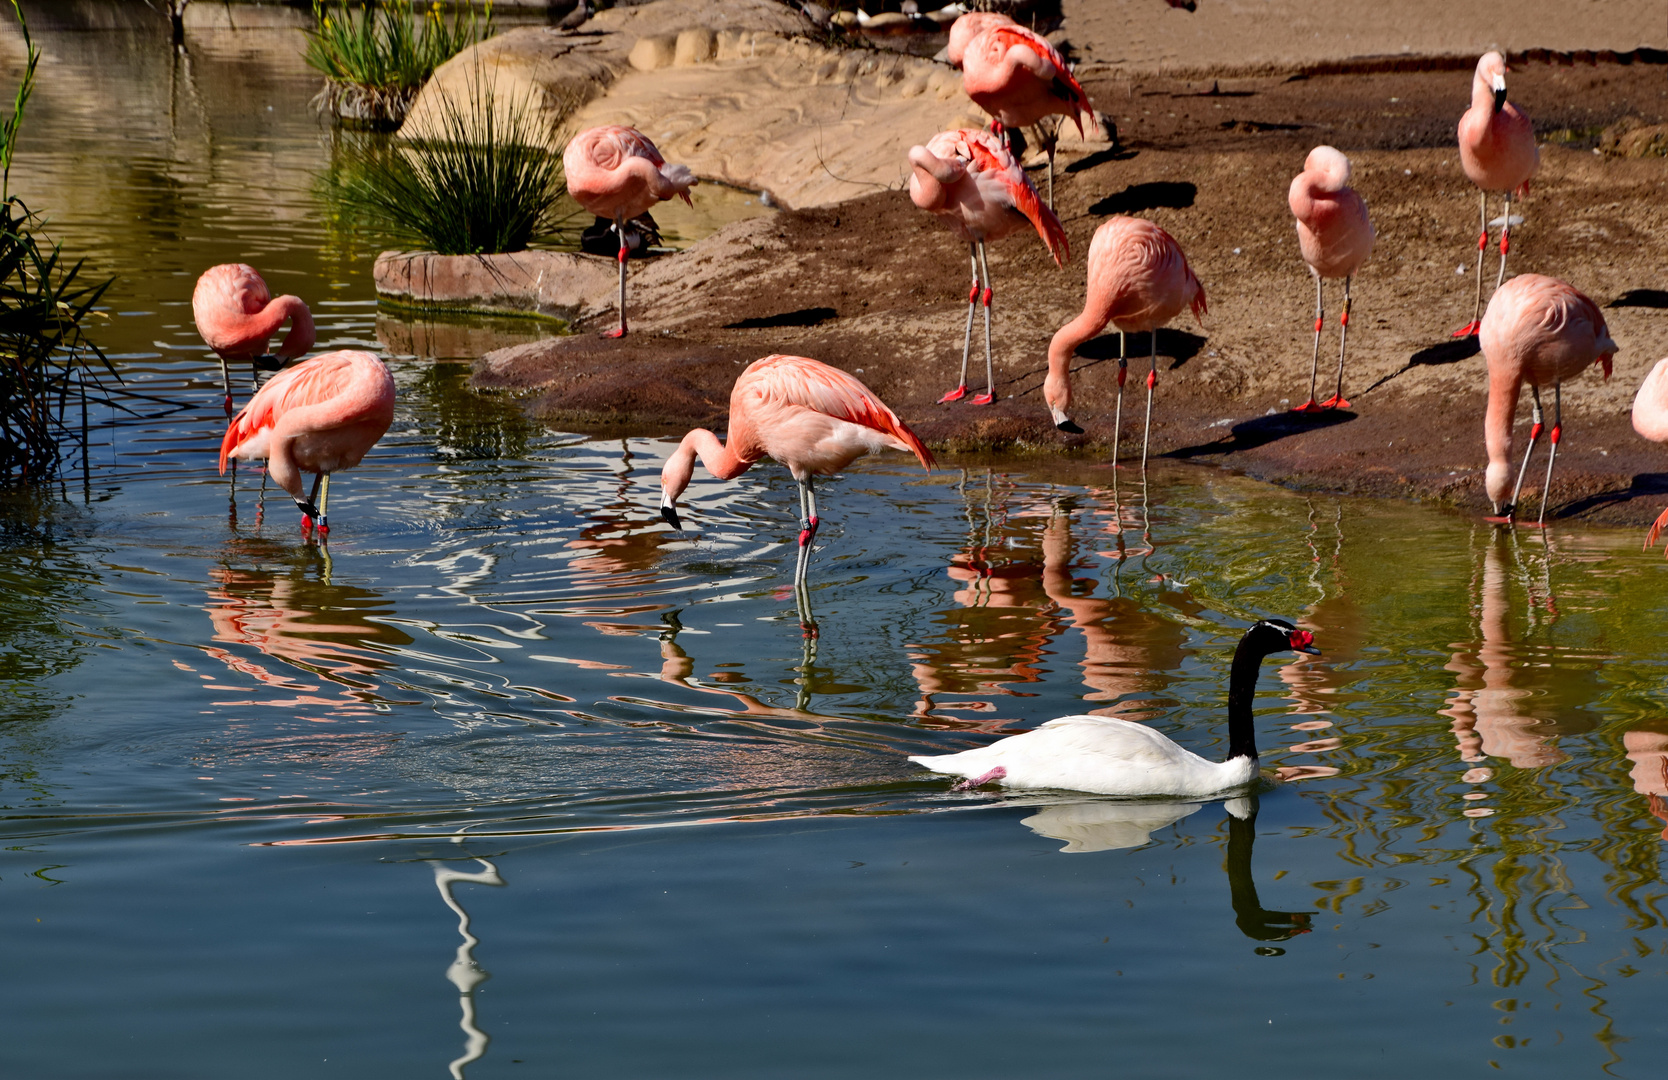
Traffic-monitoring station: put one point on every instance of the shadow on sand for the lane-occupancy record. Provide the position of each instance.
(1262, 430)
(1168, 194)
(1654, 485)
(1443, 352)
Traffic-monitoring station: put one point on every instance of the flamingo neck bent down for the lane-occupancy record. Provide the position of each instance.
(720, 460)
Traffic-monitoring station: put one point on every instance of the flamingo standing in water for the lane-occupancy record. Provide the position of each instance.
(1017, 77)
(1497, 149)
(971, 181)
(813, 418)
(237, 316)
(1537, 330)
(616, 172)
(1138, 280)
(1335, 236)
(319, 417)
(1650, 419)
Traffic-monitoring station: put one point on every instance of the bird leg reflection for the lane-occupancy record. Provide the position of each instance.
(465, 972)
(1254, 920)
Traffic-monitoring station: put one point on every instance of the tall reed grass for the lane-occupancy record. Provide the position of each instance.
(374, 62)
(485, 180)
(47, 367)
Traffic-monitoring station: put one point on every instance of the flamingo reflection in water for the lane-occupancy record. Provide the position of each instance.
(1108, 826)
(1018, 594)
(1648, 750)
(1314, 687)
(1494, 715)
(465, 972)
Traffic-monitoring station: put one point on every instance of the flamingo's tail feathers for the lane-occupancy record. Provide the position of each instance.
(236, 432)
(681, 178)
(1048, 226)
(1200, 308)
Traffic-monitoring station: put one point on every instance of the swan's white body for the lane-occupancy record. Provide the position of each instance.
(1100, 754)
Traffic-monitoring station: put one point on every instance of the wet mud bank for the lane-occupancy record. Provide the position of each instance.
(879, 288)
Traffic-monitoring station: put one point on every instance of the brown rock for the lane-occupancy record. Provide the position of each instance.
(1631, 137)
(558, 284)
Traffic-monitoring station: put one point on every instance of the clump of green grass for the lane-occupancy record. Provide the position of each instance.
(376, 61)
(484, 181)
(45, 363)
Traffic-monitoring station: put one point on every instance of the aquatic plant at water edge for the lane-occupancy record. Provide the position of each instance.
(485, 181)
(44, 359)
(375, 62)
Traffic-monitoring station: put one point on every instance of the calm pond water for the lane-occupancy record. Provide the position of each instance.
(513, 781)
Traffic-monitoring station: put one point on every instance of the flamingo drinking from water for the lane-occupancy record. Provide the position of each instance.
(1650, 419)
(616, 172)
(1537, 330)
(974, 185)
(319, 417)
(1017, 77)
(237, 316)
(1138, 280)
(1335, 236)
(813, 418)
(1497, 149)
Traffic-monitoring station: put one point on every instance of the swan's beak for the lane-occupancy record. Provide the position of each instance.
(1307, 649)
(1499, 92)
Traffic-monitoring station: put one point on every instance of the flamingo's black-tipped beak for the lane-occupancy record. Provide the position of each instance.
(1499, 93)
(1302, 641)
(1069, 427)
(670, 514)
(269, 362)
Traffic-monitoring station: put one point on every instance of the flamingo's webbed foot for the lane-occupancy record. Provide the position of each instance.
(617, 332)
(1469, 329)
(1333, 402)
(1308, 407)
(984, 399)
(954, 395)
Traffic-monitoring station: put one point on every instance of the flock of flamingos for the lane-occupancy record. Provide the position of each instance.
(325, 414)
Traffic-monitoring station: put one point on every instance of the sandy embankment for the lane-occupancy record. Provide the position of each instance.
(872, 285)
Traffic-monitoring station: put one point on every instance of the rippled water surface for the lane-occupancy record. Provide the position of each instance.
(514, 781)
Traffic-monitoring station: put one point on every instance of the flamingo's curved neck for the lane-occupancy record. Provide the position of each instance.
(719, 459)
(1242, 690)
(302, 334)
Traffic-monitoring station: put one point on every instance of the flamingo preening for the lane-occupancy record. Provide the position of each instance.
(321, 417)
(237, 316)
(616, 172)
(1335, 236)
(973, 184)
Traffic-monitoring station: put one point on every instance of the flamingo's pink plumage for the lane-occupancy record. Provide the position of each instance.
(1138, 280)
(1650, 419)
(237, 316)
(1335, 237)
(321, 416)
(616, 172)
(973, 184)
(811, 417)
(966, 28)
(1017, 77)
(1541, 331)
(1498, 152)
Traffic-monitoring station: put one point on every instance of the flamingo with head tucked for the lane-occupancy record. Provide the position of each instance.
(1017, 77)
(319, 417)
(1498, 152)
(813, 418)
(616, 172)
(1335, 237)
(1138, 280)
(237, 316)
(1537, 330)
(974, 185)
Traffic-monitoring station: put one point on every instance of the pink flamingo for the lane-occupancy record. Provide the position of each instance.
(1537, 330)
(1497, 149)
(975, 186)
(319, 417)
(813, 418)
(1138, 280)
(969, 26)
(1335, 237)
(1017, 77)
(237, 316)
(616, 172)
(1650, 419)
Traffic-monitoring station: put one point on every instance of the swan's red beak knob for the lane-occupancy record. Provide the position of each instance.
(1300, 642)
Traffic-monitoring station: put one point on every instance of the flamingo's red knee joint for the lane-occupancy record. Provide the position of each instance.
(987, 297)
(623, 253)
(1556, 431)
(1152, 379)
(1343, 320)
(1320, 321)
(973, 294)
(1123, 373)
(1504, 243)
(1482, 241)
(1535, 432)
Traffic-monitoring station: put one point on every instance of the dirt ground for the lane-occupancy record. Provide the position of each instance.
(879, 288)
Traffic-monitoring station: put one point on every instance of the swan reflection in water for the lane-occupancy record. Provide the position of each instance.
(465, 972)
(1108, 826)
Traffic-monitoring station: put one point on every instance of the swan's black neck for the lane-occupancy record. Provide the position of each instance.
(1242, 690)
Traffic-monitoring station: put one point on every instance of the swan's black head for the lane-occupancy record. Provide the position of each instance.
(1272, 635)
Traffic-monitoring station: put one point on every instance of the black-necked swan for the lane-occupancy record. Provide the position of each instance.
(1109, 756)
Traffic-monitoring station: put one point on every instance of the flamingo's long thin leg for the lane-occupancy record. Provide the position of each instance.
(1534, 434)
(324, 506)
(807, 530)
(1314, 363)
(1336, 401)
(990, 369)
(1552, 454)
(226, 383)
(1118, 417)
(967, 337)
(625, 252)
(310, 508)
(1152, 381)
(1482, 244)
(1505, 241)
